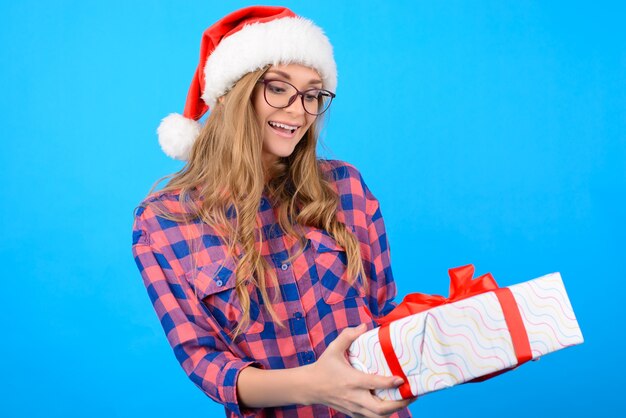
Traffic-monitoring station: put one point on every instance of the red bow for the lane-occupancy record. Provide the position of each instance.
(462, 286)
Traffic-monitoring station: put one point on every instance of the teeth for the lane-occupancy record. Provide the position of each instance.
(282, 125)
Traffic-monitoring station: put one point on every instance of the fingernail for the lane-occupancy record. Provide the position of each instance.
(398, 381)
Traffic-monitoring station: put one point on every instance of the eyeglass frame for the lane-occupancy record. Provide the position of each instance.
(293, 98)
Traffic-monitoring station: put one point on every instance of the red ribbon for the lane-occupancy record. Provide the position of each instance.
(462, 286)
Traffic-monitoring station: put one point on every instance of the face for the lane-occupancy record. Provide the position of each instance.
(282, 129)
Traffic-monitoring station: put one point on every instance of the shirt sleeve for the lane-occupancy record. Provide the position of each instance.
(200, 349)
(383, 287)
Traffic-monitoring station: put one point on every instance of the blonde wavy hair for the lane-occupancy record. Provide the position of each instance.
(225, 167)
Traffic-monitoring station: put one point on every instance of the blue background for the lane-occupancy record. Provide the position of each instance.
(492, 133)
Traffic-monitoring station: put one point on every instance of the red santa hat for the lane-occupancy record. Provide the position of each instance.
(241, 42)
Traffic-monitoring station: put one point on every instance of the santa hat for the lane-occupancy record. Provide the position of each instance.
(241, 42)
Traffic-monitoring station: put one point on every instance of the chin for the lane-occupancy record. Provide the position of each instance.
(283, 154)
(280, 150)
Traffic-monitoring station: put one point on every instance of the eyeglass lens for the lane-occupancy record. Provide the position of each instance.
(280, 94)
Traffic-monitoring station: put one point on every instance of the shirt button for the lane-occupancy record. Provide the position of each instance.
(219, 283)
(284, 266)
(298, 315)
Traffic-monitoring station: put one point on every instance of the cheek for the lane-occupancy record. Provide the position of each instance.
(309, 121)
(260, 107)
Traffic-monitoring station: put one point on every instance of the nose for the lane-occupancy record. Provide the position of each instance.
(297, 106)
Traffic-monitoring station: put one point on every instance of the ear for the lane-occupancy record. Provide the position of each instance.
(220, 99)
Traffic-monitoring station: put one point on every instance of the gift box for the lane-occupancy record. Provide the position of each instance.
(480, 331)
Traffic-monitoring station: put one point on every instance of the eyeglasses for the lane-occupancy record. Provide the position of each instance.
(280, 94)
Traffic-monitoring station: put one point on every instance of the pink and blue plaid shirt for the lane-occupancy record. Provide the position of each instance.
(315, 303)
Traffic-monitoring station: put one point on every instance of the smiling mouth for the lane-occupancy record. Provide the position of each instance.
(283, 128)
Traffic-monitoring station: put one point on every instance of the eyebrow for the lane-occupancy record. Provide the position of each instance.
(284, 74)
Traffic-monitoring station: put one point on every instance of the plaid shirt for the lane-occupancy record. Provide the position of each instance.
(315, 303)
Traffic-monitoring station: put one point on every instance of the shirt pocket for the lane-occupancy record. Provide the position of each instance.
(331, 263)
(215, 285)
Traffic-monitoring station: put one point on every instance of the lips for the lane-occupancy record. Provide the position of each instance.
(283, 129)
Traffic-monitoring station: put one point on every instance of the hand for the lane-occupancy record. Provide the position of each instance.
(335, 383)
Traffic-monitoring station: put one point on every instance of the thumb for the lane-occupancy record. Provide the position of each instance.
(347, 336)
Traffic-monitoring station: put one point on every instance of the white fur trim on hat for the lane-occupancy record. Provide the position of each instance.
(281, 41)
(177, 134)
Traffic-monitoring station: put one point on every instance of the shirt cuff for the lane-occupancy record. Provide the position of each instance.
(229, 376)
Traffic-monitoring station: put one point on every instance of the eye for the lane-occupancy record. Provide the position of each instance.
(276, 89)
(312, 95)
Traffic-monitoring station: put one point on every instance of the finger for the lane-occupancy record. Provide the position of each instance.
(382, 407)
(399, 404)
(346, 337)
(408, 400)
(372, 381)
(348, 410)
(377, 411)
(371, 406)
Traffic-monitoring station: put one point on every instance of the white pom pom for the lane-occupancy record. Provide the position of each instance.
(177, 135)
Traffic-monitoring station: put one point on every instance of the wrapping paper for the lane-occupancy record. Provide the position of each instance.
(469, 339)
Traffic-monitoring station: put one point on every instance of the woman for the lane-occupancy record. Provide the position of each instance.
(262, 262)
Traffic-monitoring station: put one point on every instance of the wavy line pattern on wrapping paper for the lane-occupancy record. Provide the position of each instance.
(392, 393)
(482, 319)
(559, 288)
(361, 357)
(532, 331)
(475, 338)
(434, 374)
(483, 335)
(400, 334)
(534, 344)
(477, 352)
(548, 341)
(387, 394)
(461, 356)
(561, 308)
(441, 383)
(464, 366)
(455, 365)
(429, 348)
(508, 352)
(560, 300)
(379, 358)
(356, 352)
(371, 360)
(549, 306)
(500, 344)
(558, 321)
(375, 361)
(489, 304)
(366, 343)
(398, 337)
(528, 315)
(473, 349)
(362, 353)
(359, 353)
(412, 343)
(358, 365)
